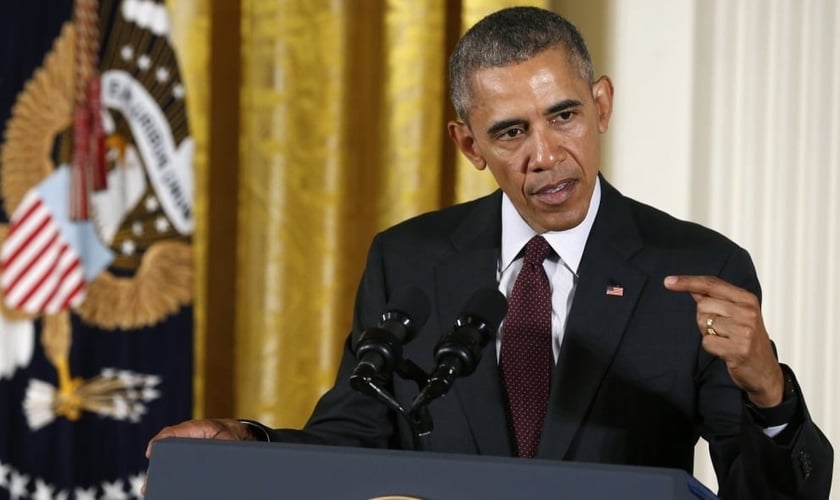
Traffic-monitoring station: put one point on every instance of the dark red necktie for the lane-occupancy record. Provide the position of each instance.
(525, 360)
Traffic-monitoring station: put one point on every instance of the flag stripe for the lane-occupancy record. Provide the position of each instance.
(31, 282)
(35, 213)
(23, 238)
(49, 279)
(29, 205)
(65, 266)
(70, 280)
(75, 295)
(18, 279)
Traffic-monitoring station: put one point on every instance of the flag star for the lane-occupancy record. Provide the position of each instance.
(128, 247)
(60, 496)
(86, 494)
(162, 74)
(17, 487)
(161, 224)
(114, 491)
(127, 52)
(4, 474)
(150, 394)
(143, 62)
(43, 491)
(178, 91)
(137, 228)
(151, 204)
(136, 483)
(120, 408)
(137, 413)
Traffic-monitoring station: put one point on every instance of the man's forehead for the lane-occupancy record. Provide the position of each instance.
(514, 87)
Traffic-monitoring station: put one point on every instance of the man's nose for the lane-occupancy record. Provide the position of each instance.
(546, 150)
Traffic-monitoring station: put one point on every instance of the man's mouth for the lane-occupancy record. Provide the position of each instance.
(556, 193)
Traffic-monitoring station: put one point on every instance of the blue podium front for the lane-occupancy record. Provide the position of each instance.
(207, 469)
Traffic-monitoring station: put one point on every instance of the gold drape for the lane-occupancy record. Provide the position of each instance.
(191, 35)
(317, 123)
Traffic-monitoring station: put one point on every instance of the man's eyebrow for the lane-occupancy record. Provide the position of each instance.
(561, 106)
(499, 126)
(564, 105)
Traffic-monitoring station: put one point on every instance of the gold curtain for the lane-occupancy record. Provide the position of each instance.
(317, 124)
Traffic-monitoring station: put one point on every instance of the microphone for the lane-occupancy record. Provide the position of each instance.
(458, 352)
(379, 349)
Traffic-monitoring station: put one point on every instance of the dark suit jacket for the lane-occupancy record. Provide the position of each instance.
(632, 384)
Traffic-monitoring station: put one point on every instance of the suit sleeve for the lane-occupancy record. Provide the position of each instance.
(796, 464)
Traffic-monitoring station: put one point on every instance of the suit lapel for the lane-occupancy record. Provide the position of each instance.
(596, 322)
(594, 329)
(477, 245)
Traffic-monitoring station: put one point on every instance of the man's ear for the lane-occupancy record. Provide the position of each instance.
(602, 92)
(463, 137)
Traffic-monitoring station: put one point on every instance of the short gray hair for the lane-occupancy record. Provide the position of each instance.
(511, 36)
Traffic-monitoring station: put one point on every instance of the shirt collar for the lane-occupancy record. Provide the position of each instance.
(567, 244)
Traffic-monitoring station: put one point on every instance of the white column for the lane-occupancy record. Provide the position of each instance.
(767, 125)
(728, 113)
(648, 153)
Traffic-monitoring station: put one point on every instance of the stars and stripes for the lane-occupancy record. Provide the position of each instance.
(46, 259)
(615, 291)
(40, 272)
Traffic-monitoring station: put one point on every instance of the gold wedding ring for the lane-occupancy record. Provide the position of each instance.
(710, 326)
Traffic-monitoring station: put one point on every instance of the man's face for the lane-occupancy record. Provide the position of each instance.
(536, 125)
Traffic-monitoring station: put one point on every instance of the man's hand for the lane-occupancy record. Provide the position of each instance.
(729, 318)
(213, 428)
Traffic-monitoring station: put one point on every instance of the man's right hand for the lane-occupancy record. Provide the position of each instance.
(211, 428)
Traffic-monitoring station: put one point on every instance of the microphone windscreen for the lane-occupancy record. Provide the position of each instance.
(411, 302)
(488, 304)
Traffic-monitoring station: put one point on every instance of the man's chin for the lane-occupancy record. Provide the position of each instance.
(556, 222)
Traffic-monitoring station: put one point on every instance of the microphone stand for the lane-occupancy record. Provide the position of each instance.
(418, 417)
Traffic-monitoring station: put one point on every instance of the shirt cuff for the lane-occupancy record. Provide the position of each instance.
(258, 430)
(774, 419)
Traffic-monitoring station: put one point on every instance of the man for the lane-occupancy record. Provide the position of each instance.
(651, 331)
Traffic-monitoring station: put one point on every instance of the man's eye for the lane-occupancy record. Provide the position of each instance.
(511, 132)
(565, 115)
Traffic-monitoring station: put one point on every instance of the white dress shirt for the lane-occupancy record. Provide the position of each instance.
(561, 269)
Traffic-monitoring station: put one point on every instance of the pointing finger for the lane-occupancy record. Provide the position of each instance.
(709, 286)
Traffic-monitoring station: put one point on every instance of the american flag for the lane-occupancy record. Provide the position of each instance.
(46, 259)
(615, 291)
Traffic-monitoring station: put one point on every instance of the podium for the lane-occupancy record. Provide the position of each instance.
(207, 469)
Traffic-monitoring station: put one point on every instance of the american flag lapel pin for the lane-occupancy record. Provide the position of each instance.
(615, 290)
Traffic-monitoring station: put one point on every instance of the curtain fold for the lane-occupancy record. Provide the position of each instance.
(191, 34)
(292, 201)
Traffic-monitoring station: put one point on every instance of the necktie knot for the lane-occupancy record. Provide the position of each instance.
(536, 251)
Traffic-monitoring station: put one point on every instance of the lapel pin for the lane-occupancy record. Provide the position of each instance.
(615, 290)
